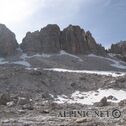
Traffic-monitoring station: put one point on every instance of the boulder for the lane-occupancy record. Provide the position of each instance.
(103, 102)
(122, 103)
(112, 98)
(4, 99)
(83, 120)
(8, 42)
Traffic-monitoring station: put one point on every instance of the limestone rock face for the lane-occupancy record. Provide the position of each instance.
(45, 41)
(94, 47)
(72, 39)
(8, 43)
(31, 43)
(119, 48)
(50, 36)
(76, 40)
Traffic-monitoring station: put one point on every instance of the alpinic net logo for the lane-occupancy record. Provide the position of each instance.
(114, 113)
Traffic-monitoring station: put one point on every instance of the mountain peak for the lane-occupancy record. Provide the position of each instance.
(72, 39)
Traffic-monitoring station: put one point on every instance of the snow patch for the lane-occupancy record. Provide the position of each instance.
(23, 59)
(106, 73)
(2, 61)
(91, 97)
(24, 56)
(62, 52)
(32, 68)
(44, 55)
(24, 63)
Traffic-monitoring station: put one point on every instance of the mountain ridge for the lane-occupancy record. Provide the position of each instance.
(51, 39)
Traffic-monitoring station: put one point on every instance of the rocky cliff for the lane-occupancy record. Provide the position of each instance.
(73, 40)
(8, 43)
(46, 41)
(119, 49)
(50, 39)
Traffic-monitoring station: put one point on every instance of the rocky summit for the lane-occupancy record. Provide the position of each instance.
(72, 39)
(8, 42)
(46, 41)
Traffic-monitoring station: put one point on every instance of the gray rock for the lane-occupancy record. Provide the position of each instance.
(83, 120)
(94, 47)
(8, 43)
(103, 102)
(31, 43)
(45, 41)
(50, 39)
(50, 36)
(119, 49)
(28, 107)
(73, 40)
(122, 103)
(4, 99)
(112, 98)
(10, 104)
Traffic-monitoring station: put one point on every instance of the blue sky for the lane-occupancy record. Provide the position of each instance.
(105, 19)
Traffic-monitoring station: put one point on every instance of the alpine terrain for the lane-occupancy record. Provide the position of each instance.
(61, 78)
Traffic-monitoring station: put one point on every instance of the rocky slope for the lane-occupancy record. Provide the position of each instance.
(72, 39)
(27, 97)
(8, 42)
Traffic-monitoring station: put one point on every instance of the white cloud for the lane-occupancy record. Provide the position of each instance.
(29, 15)
(13, 11)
